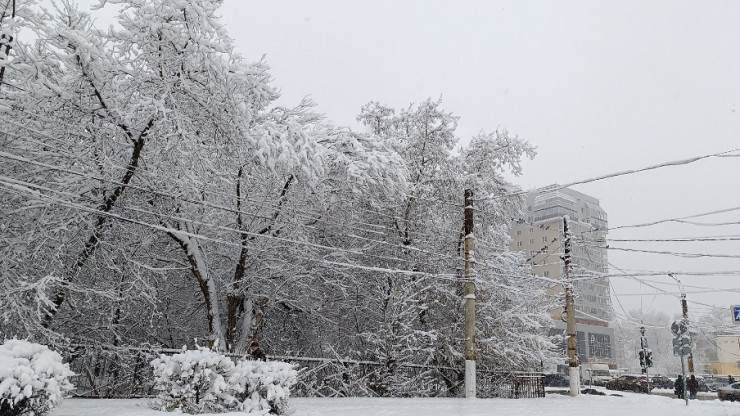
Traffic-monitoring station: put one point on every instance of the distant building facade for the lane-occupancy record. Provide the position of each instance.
(540, 237)
(727, 360)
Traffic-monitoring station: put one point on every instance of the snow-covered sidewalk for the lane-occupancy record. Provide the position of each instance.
(552, 405)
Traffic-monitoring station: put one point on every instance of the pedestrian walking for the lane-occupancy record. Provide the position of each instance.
(678, 387)
(692, 384)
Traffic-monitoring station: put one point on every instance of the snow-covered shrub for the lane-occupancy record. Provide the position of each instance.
(33, 378)
(206, 381)
(195, 381)
(264, 386)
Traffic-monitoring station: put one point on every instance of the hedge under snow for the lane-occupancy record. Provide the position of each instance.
(33, 378)
(202, 380)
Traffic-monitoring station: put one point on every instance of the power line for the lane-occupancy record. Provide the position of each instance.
(679, 219)
(308, 215)
(677, 254)
(621, 173)
(37, 132)
(678, 293)
(311, 216)
(23, 190)
(713, 342)
(19, 189)
(665, 292)
(677, 240)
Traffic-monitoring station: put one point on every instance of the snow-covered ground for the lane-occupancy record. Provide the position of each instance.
(552, 405)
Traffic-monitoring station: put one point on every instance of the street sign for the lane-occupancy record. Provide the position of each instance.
(679, 328)
(735, 313)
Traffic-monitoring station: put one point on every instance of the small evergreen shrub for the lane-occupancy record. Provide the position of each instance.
(33, 379)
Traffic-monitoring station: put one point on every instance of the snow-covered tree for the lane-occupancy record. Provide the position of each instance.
(154, 193)
(422, 322)
(657, 331)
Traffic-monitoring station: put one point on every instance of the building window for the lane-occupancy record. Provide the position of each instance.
(531, 230)
(532, 253)
(544, 261)
(599, 345)
(546, 273)
(531, 241)
(518, 232)
(518, 243)
(581, 347)
(544, 238)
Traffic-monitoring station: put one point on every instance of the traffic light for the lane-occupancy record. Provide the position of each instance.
(642, 358)
(676, 346)
(686, 345)
(649, 358)
(682, 345)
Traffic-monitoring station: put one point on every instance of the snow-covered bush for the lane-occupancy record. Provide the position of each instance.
(264, 386)
(33, 378)
(195, 381)
(202, 381)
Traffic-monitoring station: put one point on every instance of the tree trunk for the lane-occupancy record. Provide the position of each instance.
(207, 287)
(235, 300)
(93, 241)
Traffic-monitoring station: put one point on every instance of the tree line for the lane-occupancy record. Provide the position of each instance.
(153, 192)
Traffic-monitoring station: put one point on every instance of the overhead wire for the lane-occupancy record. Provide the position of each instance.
(177, 198)
(73, 205)
(711, 341)
(35, 131)
(663, 292)
(671, 240)
(678, 219)
(674, 253)
(725, 153)
(674, 163)
(24, 190)
(306, 214)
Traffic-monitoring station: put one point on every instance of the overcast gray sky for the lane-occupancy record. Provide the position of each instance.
(597, 86)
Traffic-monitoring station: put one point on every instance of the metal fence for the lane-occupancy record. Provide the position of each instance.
(127, 373)
(511, 385)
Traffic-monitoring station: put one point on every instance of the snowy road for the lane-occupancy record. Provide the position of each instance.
(553, 405)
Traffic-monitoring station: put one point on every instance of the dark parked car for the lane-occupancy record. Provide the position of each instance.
(637, 384)
(661, 382)
(556, 380)
(730, 393)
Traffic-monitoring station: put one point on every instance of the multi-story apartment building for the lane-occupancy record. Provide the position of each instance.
(540, 237)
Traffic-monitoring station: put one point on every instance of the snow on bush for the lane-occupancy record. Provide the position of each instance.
(33, 378)
(202, 381)
(264, 386)
(195, 381)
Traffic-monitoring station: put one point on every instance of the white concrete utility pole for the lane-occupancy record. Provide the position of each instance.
(570, 309)
(470, 385)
